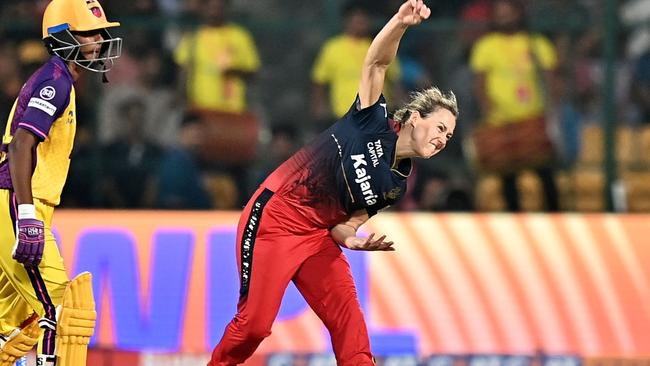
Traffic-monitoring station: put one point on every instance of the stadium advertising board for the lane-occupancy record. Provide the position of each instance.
(568, 284)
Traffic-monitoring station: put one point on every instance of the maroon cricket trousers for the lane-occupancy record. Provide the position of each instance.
(276, 244)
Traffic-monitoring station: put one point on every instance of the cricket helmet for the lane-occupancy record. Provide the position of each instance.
(63, 18)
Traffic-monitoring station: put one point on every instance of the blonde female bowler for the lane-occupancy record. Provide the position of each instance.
(36, 297)
(294, 225)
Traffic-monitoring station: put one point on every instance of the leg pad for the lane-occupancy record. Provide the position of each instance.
(75, 322)
(20, 341)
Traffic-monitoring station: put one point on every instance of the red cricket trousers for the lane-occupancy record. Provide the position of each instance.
(277, 245)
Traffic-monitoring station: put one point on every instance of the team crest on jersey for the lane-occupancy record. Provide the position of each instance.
(47, 93)
(393, 194)
(92, 6)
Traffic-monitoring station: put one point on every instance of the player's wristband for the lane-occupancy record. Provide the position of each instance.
(26, 211)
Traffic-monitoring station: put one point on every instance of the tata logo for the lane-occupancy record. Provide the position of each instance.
(376, 151)
(47, 93)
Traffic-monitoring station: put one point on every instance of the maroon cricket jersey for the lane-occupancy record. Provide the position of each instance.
(349, 167)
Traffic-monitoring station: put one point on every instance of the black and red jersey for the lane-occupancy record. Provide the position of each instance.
(349, 167)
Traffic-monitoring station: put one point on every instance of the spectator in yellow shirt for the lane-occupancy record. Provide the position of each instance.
(513, 69)
(217, 59)
(508, 88)
(338, 66)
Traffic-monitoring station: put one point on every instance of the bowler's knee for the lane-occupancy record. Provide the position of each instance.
(251, 329)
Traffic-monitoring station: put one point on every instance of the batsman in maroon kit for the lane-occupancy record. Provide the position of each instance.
(295, 224)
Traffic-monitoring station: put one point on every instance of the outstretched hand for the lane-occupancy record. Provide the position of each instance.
(413, 12)
(356, 243)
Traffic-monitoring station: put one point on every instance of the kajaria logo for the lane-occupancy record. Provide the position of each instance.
(363, 178)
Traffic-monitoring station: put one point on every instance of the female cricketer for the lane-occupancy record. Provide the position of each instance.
(35, 292)
(294, 225)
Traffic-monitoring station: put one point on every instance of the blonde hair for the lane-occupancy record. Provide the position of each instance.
(426, 102)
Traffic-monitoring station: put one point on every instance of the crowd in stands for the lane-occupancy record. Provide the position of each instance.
(210, 95)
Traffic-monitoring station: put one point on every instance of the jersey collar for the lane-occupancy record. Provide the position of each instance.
(403, 167)
(61, 63)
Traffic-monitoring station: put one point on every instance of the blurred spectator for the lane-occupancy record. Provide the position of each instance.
(81, 186)
(636, 15)
(568, 33)
(514, 73)
(23, 15)
(10, 78)
(145, 7)
(179, 180)
(132, 162)
(641, 86)
(414, 71)
(170, 7)
(146, 70)
(32, 55)
(563, 31)
(587, 79)
(436, 190)
(152, 85)
(217, 61)
(284, 142)
(338, 66)
(131, 8)
(474, 18)
(415, 199)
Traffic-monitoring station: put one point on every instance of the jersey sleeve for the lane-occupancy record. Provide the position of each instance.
(182, 51)
(321, 72)
(545, 52)
(480, 60)
(372, 119)
(372, 211)
(246, 57)
(46, 104)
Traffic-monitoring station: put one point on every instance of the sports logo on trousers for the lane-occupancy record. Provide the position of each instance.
(47, 93)
(33, 231)
(248, 241)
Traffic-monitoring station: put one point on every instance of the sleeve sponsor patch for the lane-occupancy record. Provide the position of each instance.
(43, 105)
(47, 93)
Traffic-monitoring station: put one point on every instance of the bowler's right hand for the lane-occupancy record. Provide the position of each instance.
(413, 12)
(357, 243)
